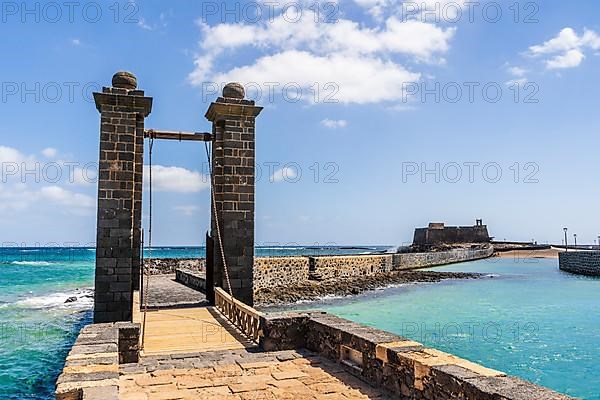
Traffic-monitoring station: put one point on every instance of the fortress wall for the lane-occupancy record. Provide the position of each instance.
(451, 234)
(580, 262)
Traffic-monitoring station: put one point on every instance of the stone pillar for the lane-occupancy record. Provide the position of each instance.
(233, 167)
(122, 111)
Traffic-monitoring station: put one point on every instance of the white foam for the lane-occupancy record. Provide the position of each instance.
(58, 299)
(33, 263)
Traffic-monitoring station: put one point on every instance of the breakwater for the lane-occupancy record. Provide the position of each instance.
(580, 262)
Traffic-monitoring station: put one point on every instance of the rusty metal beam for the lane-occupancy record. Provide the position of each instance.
(177, 135)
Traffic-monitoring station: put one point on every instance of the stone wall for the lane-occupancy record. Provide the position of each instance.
(423, 260)
(91, 369)
(356, 265)
(271, 272)
(344, 266)
(580, 262)
(161, 266)
(191, 279)
(406, 368)
(280, 271)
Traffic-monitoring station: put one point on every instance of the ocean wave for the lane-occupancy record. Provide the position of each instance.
(33, 263)
(281, 248)
(84, 299)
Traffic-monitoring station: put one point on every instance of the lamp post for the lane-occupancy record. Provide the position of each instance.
(566, 243)
(575, 238)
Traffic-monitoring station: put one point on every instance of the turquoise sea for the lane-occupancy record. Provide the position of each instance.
(37, 327)
(526, 318)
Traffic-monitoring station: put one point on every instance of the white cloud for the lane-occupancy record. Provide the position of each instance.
(517, 71)
(287, 174)
(11, 155)
(414, 38)
(21, 197)
(359, 59)
(518, 74)
(67, 198)
(401, 108)
(28, 184)
(144, 25)
(386, 80)
(570, 59)
(175, 179)
(49, 152)
(186, 210)
(566, 40)
(334, 123)
(423, 10)
(519, 82)
(83, 176)
(567, 49)
(75, 42)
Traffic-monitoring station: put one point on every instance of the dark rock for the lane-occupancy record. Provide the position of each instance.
(71, 299)
(313, 290)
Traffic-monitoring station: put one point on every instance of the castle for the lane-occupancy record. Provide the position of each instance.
(438, 234)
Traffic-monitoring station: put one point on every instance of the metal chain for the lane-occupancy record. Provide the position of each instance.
(214, 207)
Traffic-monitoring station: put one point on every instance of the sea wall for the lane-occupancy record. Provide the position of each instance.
(272, 272)
(406, 368)
(356, 265)
(280, 271)
(580, 262)
(345, 266)
(423, 260)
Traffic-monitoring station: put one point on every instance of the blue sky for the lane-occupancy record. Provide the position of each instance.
(366, 168)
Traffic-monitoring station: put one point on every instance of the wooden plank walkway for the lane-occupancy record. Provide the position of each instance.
(185, 330)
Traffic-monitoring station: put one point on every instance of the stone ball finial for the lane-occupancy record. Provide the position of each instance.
(234, 90)
(124, 80)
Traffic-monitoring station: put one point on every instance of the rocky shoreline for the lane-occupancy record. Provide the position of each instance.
(314, 290)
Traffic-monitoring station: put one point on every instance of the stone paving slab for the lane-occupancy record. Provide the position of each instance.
(242, 375)
(165, 291)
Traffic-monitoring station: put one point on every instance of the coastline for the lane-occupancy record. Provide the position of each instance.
(348, 286)
(518, 254)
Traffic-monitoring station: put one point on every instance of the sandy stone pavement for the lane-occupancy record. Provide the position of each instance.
(289, 375)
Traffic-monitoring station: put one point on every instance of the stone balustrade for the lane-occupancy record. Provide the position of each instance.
(406, 368)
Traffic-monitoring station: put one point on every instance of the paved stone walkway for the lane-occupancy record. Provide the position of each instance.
(164, 291)
(241, 375)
